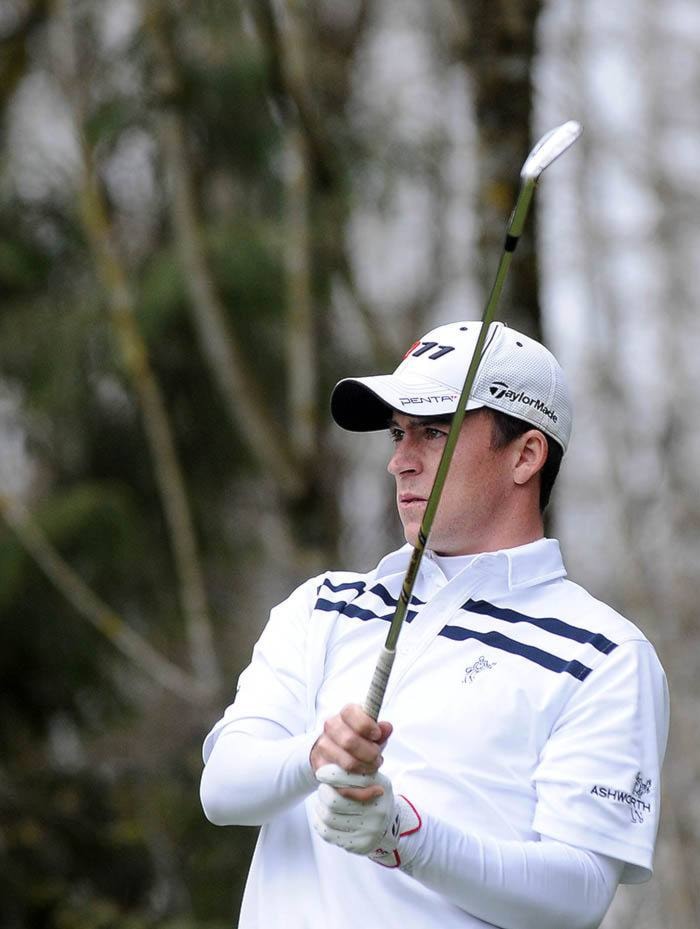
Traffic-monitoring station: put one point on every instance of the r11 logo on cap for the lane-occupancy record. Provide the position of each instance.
(426, 347)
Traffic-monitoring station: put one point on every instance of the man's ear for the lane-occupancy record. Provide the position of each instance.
(532, 451)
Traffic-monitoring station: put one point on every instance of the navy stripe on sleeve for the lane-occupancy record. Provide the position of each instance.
(549, 624)
(359, 586)
(347, 608)
(380, 591)
(502, 642)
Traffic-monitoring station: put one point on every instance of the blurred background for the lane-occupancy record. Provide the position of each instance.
(209, 213)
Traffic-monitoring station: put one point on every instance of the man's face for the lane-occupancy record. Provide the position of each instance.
(472, 515)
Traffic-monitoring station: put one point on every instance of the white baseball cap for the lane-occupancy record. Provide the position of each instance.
(516, 375)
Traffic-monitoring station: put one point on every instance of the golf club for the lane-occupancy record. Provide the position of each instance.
(550, 146)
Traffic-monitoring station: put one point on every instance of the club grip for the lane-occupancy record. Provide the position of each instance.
(380, 678)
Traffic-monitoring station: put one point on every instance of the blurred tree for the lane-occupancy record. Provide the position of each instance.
(170, 270)
(496, 43)
(627, 293)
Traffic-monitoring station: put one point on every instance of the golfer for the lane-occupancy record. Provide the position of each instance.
(515, 778)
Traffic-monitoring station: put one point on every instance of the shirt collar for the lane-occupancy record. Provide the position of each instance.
(513, 568)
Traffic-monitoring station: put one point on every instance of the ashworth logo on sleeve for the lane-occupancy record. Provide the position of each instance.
(638, 808)
(501, 391)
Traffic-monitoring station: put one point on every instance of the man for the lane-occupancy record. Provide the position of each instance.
(518, 780)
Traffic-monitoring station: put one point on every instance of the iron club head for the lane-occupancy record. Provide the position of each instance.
(553, 144)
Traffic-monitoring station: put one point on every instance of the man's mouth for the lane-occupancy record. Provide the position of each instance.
(408, 499)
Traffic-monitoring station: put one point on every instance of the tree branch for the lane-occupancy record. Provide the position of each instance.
(89, 606)
(288, 55)
(239, 391)
(301, 355)
(168, 472)
(292, 88)
(159, 435)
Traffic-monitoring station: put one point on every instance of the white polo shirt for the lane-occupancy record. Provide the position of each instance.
(522, 707)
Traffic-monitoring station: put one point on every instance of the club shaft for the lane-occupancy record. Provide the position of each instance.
(380, 679)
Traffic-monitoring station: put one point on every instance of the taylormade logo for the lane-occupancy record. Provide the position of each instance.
(500, 390)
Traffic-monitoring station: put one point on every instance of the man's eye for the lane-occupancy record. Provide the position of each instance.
(396, 435)
(434, 433)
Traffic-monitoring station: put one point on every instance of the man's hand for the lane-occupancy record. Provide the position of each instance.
(371, 827)
(353, 741)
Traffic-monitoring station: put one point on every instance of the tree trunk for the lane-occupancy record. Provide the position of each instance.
(496, 42)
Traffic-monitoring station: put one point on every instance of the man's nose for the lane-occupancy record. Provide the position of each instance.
(405, 459)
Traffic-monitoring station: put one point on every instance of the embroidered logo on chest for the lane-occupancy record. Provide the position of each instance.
(471, 671)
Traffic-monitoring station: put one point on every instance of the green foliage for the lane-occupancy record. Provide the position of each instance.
(13, 564)
(49, 661)
(248, 265)
(69, 859)
(96, 517)
(246, 262)
(101, 516)
(87, 849)
(162, 300)
(230, 114)
(114, 838)
(226, 93)
(22, 266)
(110, 119)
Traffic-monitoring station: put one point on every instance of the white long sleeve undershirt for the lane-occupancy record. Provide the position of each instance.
(256, 771)
(514, 885)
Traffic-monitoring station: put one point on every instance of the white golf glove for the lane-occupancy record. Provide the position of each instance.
(374, 828)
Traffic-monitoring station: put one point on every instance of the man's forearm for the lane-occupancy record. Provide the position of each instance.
(516, 885)
(256, 770)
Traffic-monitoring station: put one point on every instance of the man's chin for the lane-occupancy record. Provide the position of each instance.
(411, 536)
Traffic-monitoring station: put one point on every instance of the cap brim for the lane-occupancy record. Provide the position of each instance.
(366, 404)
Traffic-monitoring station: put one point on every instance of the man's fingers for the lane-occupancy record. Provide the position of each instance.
(352, 786)
(386, 730)
(360, 794)
(352, 811)
(353, 741)
(325, 752)
(336, 776)
(360, 722)
(335, 802)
